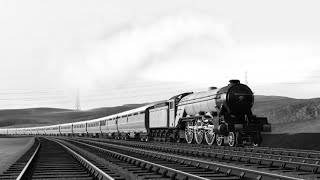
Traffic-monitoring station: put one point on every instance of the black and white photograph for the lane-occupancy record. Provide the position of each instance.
(149, 89)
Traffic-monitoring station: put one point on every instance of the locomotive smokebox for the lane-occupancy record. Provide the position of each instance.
(234, 81)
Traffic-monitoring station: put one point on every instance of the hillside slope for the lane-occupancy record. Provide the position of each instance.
(289, 115)
(49, 116)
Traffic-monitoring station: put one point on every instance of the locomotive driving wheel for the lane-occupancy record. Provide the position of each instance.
(198, 132)
(219, 140)
(189, 132)
(209, 136)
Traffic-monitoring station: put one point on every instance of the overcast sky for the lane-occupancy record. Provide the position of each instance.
(120, 52)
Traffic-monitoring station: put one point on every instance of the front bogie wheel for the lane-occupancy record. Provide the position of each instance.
(232, 139)
(219, 140)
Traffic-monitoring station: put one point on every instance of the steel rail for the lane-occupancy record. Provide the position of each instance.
(218, 167)
(266, 150)
(24, 170)
(289, 152)
(284, 161)
(264, 156)
(168, 170)
(92, 168)
(260, 159)
(257, 158)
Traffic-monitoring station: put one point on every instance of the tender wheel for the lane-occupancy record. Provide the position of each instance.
(257, 139)
(198, 132)
(189, 132)
(210, 136)
(219, 140)
(232, 139)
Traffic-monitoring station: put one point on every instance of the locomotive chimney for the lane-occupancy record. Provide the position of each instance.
(211, 88)
(234, 81)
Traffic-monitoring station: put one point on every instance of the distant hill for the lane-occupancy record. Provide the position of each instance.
(49, 116)
(287, 115)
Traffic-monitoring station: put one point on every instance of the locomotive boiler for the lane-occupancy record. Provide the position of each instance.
(219, 115)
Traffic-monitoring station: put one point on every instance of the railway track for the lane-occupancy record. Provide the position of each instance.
(143, 167)
(14, 171)
(291, 155)
(286, 163)
(201, 165)
(264, 150)
(87, 158)
(51, 160)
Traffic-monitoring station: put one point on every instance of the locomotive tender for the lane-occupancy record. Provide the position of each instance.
(217, 115)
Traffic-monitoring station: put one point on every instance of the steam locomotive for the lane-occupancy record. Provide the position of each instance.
(221, 115)
(217, 115)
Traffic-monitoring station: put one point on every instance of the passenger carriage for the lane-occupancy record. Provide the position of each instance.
(27, 131)
(20, 131)
(93, 128)
(12, 131)
(66, 129)
(48, 130)
(80, 128)
(34, 131)
(104, 126)
(111, 127)
(55, 130)
(134, 123)
(41, 131)
(3, 131)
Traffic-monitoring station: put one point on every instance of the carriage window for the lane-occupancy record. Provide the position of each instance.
(103, 123)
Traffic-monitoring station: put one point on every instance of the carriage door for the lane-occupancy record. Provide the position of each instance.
(171, 113)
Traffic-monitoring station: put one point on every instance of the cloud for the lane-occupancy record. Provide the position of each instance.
(123, 54)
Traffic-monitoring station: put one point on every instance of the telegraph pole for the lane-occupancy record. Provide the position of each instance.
(78, 108)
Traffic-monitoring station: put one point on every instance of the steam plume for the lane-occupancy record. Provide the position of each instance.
(122, 54)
